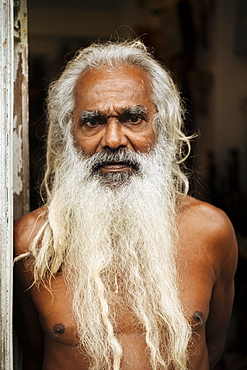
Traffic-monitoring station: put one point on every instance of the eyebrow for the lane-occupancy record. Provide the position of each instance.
(87, 114)
(137, 109)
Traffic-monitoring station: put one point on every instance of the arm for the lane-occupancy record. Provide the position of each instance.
(26, 318)
(224, 257)
(208, 245)
(26, 322)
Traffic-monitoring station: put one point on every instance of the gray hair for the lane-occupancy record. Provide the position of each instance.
(165, 96)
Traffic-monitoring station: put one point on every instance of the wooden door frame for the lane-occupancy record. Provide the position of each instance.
(14, 163)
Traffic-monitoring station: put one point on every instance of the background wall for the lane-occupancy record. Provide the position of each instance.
(223, 124)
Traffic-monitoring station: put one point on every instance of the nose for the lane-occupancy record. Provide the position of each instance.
(113, 136)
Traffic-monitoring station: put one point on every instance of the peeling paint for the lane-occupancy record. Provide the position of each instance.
(6, 200)
(17, 158)
(20, 132)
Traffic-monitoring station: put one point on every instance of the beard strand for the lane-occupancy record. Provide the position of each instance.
(120, 236)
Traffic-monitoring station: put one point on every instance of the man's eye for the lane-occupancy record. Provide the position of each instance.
(91, 123)
(134, 119)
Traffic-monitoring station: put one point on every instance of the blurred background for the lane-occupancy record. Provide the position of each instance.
(204, 43)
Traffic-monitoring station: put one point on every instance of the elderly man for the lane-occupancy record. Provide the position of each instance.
(120, 269)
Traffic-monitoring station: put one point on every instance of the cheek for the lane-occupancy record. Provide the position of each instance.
(145, 141)
(87, 144)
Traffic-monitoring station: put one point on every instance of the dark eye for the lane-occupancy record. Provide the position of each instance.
(134, 119)
(92, 122)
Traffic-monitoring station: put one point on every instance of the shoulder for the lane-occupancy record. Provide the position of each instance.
(204, 217)
(26, 228)
(209, 232)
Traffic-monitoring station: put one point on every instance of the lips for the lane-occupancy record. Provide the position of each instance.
(114, 167)
(121, 160)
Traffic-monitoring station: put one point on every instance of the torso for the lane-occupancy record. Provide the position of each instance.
(198, 275)
(59, 327)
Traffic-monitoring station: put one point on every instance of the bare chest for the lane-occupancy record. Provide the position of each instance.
(58, 323)
(57, 319)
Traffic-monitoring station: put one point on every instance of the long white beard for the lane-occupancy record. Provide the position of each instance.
(118, 244)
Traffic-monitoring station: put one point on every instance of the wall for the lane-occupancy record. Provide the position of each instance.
(224, 125)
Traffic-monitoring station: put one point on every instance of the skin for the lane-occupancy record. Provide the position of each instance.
(110, 94)
(207, 246)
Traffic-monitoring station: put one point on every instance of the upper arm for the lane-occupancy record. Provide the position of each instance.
(26, 322)
(210, 248)
(26, 317)
(223, 252)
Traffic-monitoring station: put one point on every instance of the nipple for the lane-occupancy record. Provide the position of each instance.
(198, 317)
(59, 329)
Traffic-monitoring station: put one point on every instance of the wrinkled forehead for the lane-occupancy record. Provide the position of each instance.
(122, 75)
(123, 86)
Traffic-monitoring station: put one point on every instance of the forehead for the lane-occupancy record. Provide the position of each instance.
(125, 86)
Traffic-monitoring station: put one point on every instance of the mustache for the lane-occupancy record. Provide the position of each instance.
(107, 156)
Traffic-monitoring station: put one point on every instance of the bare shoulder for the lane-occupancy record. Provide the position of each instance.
(26, 228)
(204, 215)
(209, 232)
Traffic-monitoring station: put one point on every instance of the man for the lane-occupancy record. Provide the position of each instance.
(120, 269)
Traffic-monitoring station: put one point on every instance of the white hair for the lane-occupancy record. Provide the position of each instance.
(116, 244)
(165, 96)
(117, 248)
